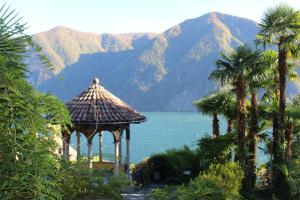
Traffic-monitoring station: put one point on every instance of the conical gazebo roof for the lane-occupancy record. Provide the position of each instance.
(97, 105)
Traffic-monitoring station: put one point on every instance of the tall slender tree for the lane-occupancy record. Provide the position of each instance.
(271, 97)
(29, 166)
(280, 26)
(233, 69)
(254, 78)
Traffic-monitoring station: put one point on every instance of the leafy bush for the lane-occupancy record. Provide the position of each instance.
(159, 163)
(215, 150)
(219, 182)
(173, 163)
(79, 181)
(167, 193)
(28, 163)
(34, 174)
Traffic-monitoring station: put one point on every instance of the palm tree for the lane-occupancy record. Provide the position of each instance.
(254, 79)
(271, 97)
(210, 105)
(220, 102)
(13, 40)
(233, 69)
(280, 26)
(228, 110)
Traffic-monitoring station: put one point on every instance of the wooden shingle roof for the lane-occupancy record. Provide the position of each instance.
(97, 105)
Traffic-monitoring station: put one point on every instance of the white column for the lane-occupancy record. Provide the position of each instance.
(127, 163)
(90, 144)
(78, 145)
(117, 157)
(100, 147)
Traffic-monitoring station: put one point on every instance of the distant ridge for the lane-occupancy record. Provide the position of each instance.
(152, 72)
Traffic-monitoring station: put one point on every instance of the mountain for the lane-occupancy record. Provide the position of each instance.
(64, 46)
(152, 72)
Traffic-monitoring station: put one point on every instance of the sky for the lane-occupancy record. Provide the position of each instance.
(124, 16)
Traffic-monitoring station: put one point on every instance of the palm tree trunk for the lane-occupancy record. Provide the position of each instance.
(282, 68)
(253, 143)
(216, 129)
(229, 125)
(241, 119)
(279, 179)
(280, 185)
(288, 136)
(241, 125)
(275, 138)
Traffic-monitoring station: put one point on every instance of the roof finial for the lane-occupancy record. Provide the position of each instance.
(96, 81)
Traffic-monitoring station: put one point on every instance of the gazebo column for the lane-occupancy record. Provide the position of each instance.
(90, 145)
(63, 147)
(117, 151)
(78, 145)
(66, 144)
(120, 149)
(127, 162)
(100, 146)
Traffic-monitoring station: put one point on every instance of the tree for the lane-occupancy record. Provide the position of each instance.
(213, 105)
(280, 26)
(228, 109)
(29, 166)
(271, 98)
(232, 69)
(254, 79)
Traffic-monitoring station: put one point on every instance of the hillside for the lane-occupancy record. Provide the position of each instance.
(163, 72)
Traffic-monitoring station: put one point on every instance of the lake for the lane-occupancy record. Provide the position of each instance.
(161, 131)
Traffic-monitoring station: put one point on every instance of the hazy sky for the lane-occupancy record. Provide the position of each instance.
(120, 16)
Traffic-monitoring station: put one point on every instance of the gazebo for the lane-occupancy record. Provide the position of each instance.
(96, 110)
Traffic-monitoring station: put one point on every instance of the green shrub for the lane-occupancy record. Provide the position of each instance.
(173, 163)
(79, 181)
(219, 182)
(159, 163)
(166, 193)
(217, 150)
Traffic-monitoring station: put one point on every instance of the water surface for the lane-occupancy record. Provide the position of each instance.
(161, 131)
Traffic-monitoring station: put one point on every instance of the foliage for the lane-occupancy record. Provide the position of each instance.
(166, 193)
(28, 163)
(293, 169)
(79, 181)
(215, 150)
(173, 163)
(215, 103)
(219, 182)
(280, 25)
(296, 100)
(237, 63)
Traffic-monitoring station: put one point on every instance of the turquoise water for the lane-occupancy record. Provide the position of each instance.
(161, 131)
